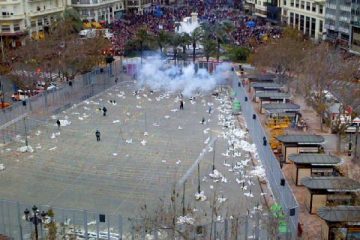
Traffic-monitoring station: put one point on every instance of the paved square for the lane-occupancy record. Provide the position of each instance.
(147, 144)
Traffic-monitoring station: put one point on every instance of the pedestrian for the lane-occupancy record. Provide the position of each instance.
(210, 109)
(97, 134)
(58, 124)
(104, 111)
(203, 120)
(181, 105)
(116, 80)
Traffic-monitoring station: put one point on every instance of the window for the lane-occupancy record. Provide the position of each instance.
(33, 24)
(313, 24)
(320, 26)
(296, 20)
(291, 3)
(307, 6)
(284, 2)
(40, 23)
(313, 7)
(302, 23)
(321, 9)
(302, 5)
(16, 27)
(297, 3)
(291, 19)
(5, 28)
(307, 26)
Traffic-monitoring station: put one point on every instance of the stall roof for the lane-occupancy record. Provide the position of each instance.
(337, 184)
(273, 95)
(262, 77)
(269, 85)
(315, 159)
(281, 107)
(340, 213)
(305, 139)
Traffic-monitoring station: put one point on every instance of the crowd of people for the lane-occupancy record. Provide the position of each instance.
(158, 18)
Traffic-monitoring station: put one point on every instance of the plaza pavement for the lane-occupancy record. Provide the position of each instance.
(127, 168)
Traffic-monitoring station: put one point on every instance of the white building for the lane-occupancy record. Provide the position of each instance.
(137, 6)
(306, 15)
(98, 10)
(20, 17)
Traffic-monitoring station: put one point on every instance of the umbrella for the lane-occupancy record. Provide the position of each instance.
(251, 24)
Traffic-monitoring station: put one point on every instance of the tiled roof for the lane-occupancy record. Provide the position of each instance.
(308, 158)
(340, 213)
(301, 138)
(331, 183)
(273, 95)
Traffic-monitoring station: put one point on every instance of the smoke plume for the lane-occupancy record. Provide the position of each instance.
(159, 75)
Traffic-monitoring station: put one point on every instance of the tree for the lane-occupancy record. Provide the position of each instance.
(162, 39)
(185, 41)
(175, 42)
(222, 31)
(282, 55)
(209, 47)
(142, 37)
(319, 68)
(196, 36)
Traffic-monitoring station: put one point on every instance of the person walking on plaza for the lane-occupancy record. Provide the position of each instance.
(104, 111)
(181, 105)
(203, 120)
(97, 134)
(58, 124)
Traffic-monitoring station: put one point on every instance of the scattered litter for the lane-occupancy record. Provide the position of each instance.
(166, 116)
(211, 187)
(163, 161)
(248, 194)
(115, 154)
(137, 106)
(24, 149)
(81, 118)
(146, 133)
(174, 110)
(129, 141)
(207, 140)
(38, 132)
(185, 219)
(2, 167)
(200, 196)
(156, 125)
(178, 162)
(52, 149)
(206, 131)
(116, 121)
(143, 142)
(53, 136)
(179, 127)
(65, 122)
(221, 200)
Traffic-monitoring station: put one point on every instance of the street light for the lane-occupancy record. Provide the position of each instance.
(35, 218)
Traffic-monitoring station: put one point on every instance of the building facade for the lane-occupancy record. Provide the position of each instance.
(98, 10)
(308, 16)
(137, 6)
(21, 17)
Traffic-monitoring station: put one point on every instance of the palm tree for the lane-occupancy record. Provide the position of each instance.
(209, 47)
(222, 32)
(162, 39)
(142, 37)
(195, 37)
(185, 41)
(175, 42)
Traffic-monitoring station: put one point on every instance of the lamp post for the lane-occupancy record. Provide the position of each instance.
(35, 218)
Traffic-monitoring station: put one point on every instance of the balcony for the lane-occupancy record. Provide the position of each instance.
(329, 16)
(345, 8)
(12, 17)
(91, 3)
(46, 11)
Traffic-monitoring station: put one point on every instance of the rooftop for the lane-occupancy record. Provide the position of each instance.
(269, 85)
(305, 139)
(341, 184)
(340, 213)
(273, 95)
(262, 77)
(315, 159)
(280, 107)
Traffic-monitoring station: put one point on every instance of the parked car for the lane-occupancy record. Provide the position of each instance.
(41, 86)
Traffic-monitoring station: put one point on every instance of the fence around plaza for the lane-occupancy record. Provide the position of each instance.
(280, 188)
(50, 102)
(84, 224)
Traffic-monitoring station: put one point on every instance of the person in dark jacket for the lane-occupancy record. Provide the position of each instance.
(97, 134)
(104, 111)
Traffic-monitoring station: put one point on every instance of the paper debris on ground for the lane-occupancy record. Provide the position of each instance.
(24, 149)
(138, 106)
(163, 161)
(185, 219)
(64, 123)
(52, 149)
(200, 196)
(143, 142)
(146, 133)
(129, 141)
(115, 154)
(167, 116)
(178, 162)
(2, 167)
(179, 127)
(116, 121)
(38, 132)
(221, 199)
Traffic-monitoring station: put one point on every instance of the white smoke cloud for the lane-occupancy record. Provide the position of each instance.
(187, 26)
(159, 75)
